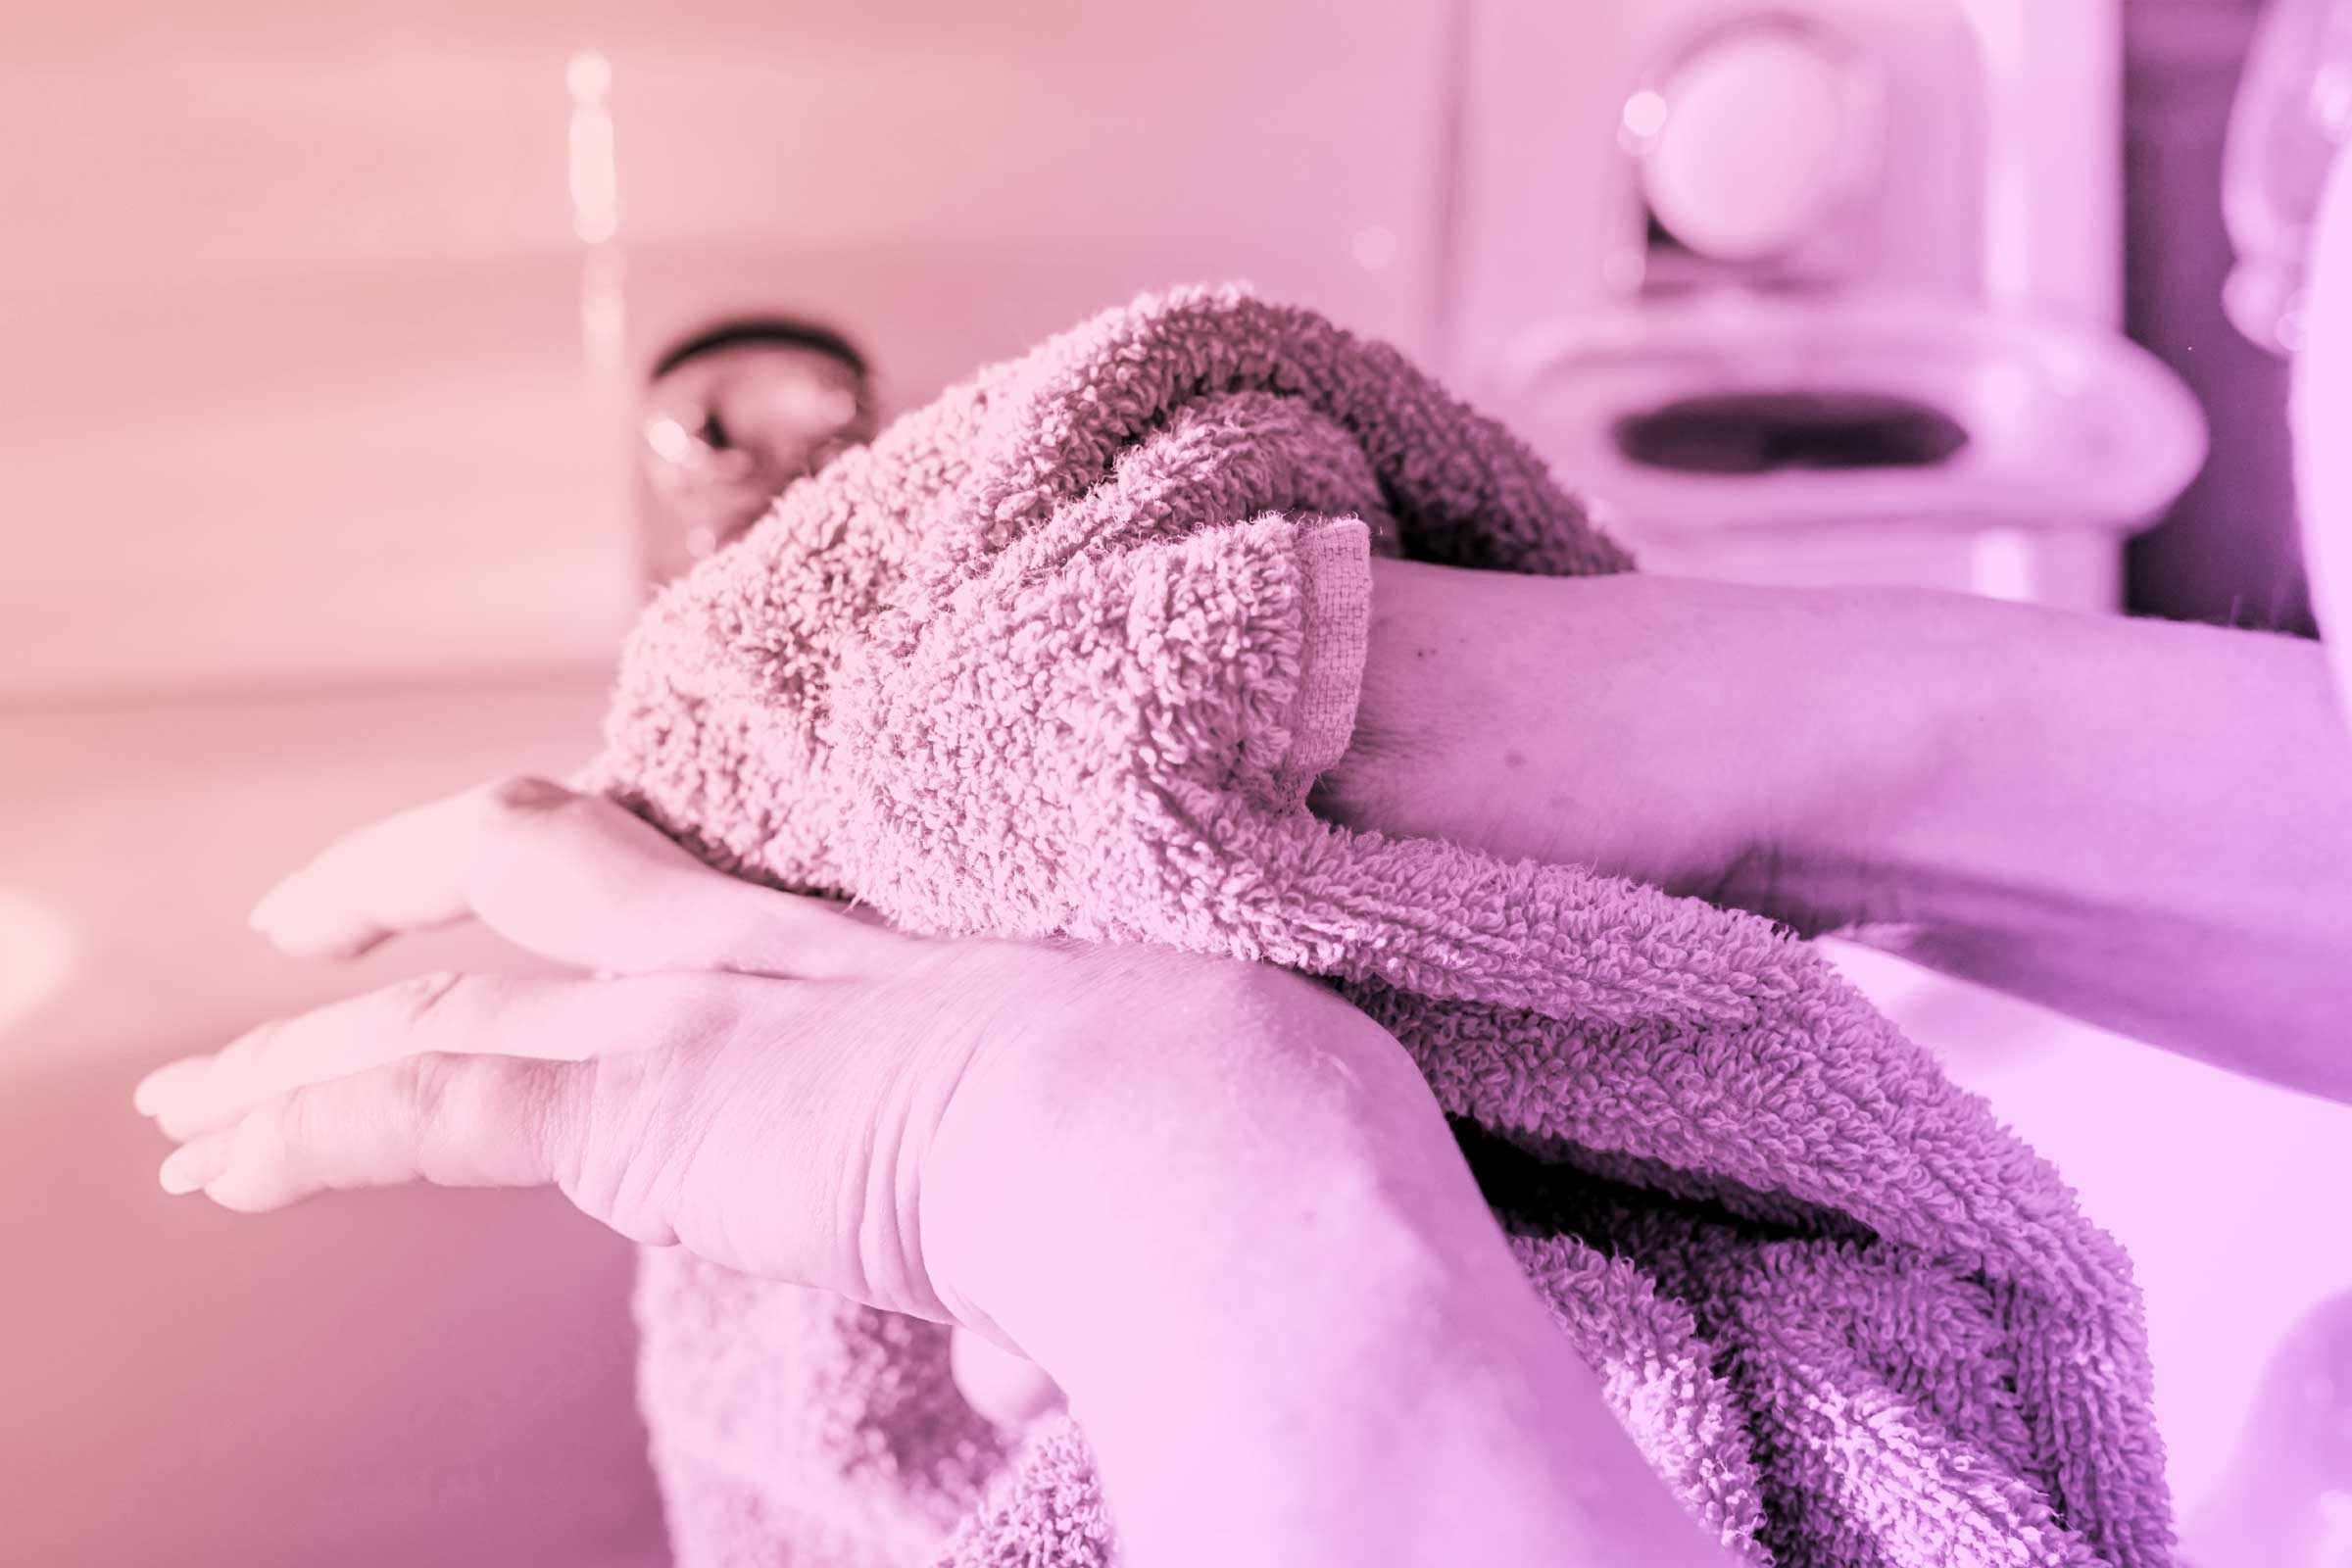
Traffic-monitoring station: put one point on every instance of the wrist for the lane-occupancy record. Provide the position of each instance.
(1193, 1150)
(1444, 651)
(1251, 1254)
(1121, 1150)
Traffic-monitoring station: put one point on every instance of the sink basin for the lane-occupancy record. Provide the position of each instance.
(2221, 1188)
(1983, 420)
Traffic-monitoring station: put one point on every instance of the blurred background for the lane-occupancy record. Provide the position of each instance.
(367, 361)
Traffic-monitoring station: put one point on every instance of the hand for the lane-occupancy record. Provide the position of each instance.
(782, 1087)
(1078, 1152)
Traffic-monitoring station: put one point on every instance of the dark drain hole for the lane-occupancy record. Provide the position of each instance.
(1761, 433)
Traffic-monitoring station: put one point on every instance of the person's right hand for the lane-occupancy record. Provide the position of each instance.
(780, 1086)
(1217, 1204)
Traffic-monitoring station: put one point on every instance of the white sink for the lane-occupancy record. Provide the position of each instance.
(2226, 1193)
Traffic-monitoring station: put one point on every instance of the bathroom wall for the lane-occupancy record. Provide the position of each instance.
(291, 296)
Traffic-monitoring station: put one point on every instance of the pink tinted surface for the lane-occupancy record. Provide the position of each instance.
(327, 309)
(421, 1376)
(398, 1378)
(316, 274)
(2226, 1192)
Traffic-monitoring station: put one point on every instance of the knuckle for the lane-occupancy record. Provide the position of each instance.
(532, 840)
(524, 796)
(422, 1086)
(298, 1126)
(494, 1113)
(423, 999)
(700, 1010)
(562, 1129)
(251, 1047)
(621, 1161)
(458, 1119)
(619, 1088)
(517, 816)
(508, 1092)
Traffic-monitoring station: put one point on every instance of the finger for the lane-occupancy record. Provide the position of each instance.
(550, 1019)
(1010, 1391)
(572, 877)
(451, 1120)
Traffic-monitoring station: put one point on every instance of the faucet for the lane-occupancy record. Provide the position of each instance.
(732, 416)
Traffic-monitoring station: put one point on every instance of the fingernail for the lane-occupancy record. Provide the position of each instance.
(195, 1165)
(156, 1090)
(528, 794)
(293, 917)
(276, 906)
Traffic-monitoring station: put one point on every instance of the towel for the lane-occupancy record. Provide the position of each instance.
(1063, 653)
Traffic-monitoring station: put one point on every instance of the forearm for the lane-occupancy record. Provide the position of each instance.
(2148, 827)
(1393, 1425)
(1290, 1327)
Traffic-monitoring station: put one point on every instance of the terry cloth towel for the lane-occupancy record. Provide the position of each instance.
(1063, 653)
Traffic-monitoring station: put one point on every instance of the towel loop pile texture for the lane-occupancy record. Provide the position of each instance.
(1063, 653)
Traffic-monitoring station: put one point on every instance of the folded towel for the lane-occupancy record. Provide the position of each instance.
(1063, 653)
